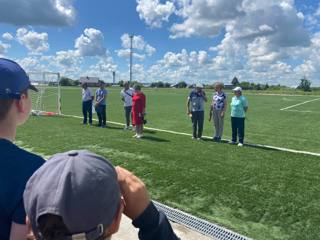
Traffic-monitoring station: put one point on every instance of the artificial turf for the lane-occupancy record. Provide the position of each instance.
(260, 193)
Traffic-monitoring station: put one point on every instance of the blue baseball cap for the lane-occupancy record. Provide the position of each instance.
(13, 80)
(80, 187)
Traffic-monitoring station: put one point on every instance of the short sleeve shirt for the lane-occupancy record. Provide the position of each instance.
(127, 95)
(16, 167)
(86, 95)
(238, 104)
(219, 100)
(197, 101)
(101, 93)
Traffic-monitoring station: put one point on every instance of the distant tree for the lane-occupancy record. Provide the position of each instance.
(181, 84)
(167, 85)
(64, 81)
(258, 86)
(305, 85)
(235, 81)
(160, 84)
(245, 85)
(120, 83)
(76, 83)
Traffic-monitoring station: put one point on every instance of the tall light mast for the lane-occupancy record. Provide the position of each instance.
(131, 54)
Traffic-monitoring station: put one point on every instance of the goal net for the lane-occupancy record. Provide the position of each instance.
(47, 101)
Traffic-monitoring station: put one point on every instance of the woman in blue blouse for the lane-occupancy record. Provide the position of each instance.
(239, 107)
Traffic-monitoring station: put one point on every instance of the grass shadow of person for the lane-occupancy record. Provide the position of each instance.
(155, 139)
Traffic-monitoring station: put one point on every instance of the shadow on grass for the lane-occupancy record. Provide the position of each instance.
(149, 131)
(155, 139)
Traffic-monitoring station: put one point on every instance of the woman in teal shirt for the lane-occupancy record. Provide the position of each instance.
(239, 107)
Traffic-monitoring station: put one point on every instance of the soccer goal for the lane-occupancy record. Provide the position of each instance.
(47, 101)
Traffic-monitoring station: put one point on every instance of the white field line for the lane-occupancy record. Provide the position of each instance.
(299, 104)
(208, 137)
(292, 110)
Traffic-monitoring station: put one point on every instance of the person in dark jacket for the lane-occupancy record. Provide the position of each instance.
(16, 164)
(80, 195)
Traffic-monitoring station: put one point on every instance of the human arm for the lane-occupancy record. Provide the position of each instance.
(122, 95)
(152, 224)
(224, 109)
(104, 96)
(210, 113)
(18, 231)
(90, 94)
(18, 224)
(245, 104)
(204, 96)
(188, 106)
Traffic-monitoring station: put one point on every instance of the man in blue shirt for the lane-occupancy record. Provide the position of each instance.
(16, 165)
(101, 96)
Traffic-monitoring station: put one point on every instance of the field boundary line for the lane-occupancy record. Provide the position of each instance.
(268, 147)
(299, 104)
(292, 110)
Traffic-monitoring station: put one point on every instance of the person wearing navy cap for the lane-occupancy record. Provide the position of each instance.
(16, 164)
(80, 195)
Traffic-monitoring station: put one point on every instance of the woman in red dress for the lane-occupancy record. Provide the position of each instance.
(138, 110)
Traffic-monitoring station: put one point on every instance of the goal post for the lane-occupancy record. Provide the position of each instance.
(47, 101)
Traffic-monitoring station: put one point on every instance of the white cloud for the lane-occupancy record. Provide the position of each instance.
(7, 36)
(140, 46)
(37, 12)
(35, 42)
(67, 59)
(137, 41)
(32, 64)
(91, 43)
(3, 48)
(276, 20)
(205, 17)
(317, 13)
(125, 53)
(150, 50)
(153, 12)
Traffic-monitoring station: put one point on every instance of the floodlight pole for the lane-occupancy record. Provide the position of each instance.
(113, 77)
(131, 53)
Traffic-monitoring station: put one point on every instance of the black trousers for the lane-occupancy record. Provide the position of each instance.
(197, 123)
(87, 110)
(127, 111)
(102, 115)
(237, 125)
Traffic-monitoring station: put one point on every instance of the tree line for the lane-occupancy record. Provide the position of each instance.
(304, 85)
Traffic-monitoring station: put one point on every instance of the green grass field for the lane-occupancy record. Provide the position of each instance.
(263, 194)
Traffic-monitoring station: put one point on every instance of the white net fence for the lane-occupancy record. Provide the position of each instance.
(47, 101)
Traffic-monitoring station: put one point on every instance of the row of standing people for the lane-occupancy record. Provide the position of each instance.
(239, 106)
(72, 195)
(133, 99)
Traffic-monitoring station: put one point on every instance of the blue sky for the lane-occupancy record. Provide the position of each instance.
(275, 41)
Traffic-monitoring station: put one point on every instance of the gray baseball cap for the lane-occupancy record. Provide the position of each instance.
(80, 187)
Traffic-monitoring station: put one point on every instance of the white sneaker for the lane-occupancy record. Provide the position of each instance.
(240, 144)
(139, 136)
(134, 136)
